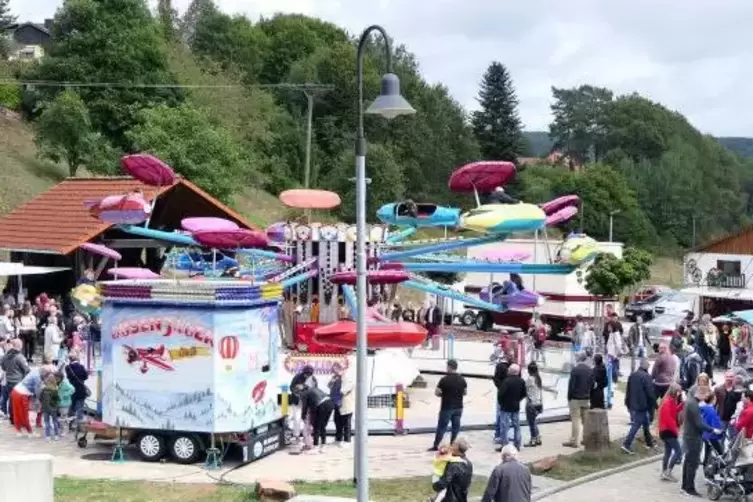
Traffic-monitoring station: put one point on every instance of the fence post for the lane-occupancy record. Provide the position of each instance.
(284, 400)
(99, 394)
(399, 409)
(451, 346)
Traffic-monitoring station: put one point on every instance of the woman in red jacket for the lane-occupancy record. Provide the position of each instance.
(745, 420)
(669, 430)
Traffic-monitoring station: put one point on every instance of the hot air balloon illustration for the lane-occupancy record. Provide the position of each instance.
(229, 346)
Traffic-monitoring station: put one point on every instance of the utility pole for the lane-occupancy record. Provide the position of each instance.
(694, 234)
(611, 223)
(309, 90)
(309, 121)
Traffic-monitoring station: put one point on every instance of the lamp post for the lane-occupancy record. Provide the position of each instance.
(388, 104)
(611, 222)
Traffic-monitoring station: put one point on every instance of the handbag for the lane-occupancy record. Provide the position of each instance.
(86, 389)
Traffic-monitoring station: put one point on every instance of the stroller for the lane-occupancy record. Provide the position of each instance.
(730, 474)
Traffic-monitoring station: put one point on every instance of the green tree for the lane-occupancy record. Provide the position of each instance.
(6, 19)
(292, 38)
(249, 114)
(496, 125)
(579, 121)
(168, 19)
(608, 276)
(64, 132)
(234, 42)
(382, 168)
(195, 11)
(602, 190)
(185, 138)
(112, 42)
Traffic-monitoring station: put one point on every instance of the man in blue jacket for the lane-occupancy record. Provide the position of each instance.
(640, 401)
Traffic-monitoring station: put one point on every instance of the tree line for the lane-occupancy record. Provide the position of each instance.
(223, 99)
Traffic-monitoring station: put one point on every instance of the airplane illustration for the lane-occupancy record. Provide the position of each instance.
(149, 356)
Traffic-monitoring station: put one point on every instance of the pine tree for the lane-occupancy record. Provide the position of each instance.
(497, 125)
(6, 19)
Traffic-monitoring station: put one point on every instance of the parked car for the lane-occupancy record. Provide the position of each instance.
(676, 303)
(645, 307)
(644, 293)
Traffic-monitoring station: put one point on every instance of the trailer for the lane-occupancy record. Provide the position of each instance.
(189, 368)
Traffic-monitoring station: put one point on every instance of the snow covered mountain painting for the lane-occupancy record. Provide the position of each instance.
(189, 369)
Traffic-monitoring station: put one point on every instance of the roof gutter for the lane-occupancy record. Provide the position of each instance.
(32, 251)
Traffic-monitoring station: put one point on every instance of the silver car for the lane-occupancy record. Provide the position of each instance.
(663, 326)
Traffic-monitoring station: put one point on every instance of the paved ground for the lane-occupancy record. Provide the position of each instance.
(389, 457)
(641, 484)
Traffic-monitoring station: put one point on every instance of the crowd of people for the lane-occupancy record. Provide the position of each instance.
(312, 408)
(695, 417)
(40, 366)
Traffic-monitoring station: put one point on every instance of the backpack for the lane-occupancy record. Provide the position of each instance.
(692, 369)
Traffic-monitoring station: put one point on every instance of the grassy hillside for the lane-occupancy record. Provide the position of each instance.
(23, 175)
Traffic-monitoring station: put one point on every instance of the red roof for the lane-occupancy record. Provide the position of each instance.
(57, 221)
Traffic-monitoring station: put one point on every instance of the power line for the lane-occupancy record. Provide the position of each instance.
(130, 85)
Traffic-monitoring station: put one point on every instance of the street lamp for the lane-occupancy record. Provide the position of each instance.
(388, 104)
(611, 222)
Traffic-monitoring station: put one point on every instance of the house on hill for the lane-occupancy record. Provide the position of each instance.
(720, 272)
(554, 159)
(28, 40)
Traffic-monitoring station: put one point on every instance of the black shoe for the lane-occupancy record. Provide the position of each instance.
(433, 448)
(692, 493)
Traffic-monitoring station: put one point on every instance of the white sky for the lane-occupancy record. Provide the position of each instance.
(692, 56)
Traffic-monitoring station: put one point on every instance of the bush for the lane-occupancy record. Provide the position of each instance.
(10, 96)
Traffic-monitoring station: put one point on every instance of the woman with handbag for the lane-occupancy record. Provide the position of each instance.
(77, 375)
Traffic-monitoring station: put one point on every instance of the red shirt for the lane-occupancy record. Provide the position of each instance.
(669, 416)
(745, 421)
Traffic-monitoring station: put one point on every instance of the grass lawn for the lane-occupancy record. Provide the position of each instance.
(389, 490)
(579, 464)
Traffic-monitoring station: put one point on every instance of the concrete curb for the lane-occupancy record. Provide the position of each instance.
(595, 476)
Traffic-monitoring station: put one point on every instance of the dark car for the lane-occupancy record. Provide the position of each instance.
(644, 308)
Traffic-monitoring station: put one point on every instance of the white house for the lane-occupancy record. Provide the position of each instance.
(721, 273)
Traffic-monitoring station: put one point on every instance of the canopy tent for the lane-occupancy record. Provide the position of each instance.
(19, 269)
(745, 316)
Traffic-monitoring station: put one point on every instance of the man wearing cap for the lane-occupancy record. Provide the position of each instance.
(451, 389)
(510, 481)
(457, 477)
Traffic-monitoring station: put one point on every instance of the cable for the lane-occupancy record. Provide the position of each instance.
(130, 85)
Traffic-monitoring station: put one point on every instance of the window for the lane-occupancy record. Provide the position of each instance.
(729, 267)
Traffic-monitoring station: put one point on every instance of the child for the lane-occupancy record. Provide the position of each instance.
(439, 464)
(712, 419)
(50, 405)
(65, 400)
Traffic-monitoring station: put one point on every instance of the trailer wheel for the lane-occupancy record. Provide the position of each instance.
(185, 448)
(469, 317)
(150, 446)
(484, 321)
